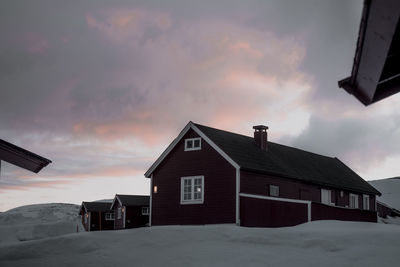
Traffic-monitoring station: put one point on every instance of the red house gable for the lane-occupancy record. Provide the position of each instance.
(209, 176)
(204, 171)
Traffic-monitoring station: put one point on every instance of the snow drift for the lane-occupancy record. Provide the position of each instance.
(39, 221)
(50, 239)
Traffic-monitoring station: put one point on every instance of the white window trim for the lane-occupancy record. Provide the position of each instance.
(109, 216)
(356, 203)
(366, 205)
(192, 148)
(145, 210)
(329, 194)
(192, 201)
(271, 187)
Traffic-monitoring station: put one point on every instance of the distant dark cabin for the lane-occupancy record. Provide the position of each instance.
(211, 176)
(130, 211)
(21, 157)
(385, 210)
(97, 216)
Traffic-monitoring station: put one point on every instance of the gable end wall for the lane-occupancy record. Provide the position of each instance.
(219, 187)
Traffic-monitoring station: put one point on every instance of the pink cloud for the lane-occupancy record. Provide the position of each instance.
(35, 43)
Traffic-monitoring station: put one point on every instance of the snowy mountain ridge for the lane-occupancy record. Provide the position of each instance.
(390, 189)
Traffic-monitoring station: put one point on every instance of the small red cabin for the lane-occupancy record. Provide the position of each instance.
(385, 210)
(209, 176)
(97, 216)
(130, 211)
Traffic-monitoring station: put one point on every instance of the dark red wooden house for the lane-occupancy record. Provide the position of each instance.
(209, 176)
(130, 211)
(97, 216)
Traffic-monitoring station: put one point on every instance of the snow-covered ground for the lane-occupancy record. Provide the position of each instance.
(390, 189)
(321, 243)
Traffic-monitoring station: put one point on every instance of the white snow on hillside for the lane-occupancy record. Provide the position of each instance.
(38, 221)
(390, 189)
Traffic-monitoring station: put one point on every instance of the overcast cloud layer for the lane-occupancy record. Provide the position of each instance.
(101, 88)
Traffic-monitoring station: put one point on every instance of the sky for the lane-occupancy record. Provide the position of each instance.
(103, 87)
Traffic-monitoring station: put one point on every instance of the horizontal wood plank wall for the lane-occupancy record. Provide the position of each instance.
(219, 187)
(134, 217)
(383, 211)
(258, 184)
(271, 213)
(325, 212)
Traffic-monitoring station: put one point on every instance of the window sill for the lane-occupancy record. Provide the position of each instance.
(192, 149)
(192, 202)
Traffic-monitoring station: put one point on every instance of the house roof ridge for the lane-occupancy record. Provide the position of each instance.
(242, 135)
(132, 195)
(275, 143)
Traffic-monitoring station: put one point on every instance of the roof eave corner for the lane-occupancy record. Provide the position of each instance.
(112, 204)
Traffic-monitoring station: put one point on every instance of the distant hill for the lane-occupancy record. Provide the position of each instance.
(39, 221)
(390, 189)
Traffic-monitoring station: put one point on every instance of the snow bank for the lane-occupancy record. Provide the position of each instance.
(320, 243)
(38, 221)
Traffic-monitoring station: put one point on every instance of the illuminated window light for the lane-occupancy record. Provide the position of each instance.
(155, 189)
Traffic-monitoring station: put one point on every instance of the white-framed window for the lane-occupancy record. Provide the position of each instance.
(109, 216)
(192, 190)
(366, 202)
(353, 199)
(192, 144)
(119, 213)
(274, 190)
(145, 210)
(326, 196)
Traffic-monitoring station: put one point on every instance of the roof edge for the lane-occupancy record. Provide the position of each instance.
(188, 126)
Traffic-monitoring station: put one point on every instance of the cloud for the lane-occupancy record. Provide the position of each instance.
(134, 71)
(363, 142)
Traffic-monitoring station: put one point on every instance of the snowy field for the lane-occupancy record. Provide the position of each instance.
(323, 243)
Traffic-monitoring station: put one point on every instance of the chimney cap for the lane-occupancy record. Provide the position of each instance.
(260, 127)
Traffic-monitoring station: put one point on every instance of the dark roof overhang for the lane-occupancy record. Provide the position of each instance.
(376, 70)
(22, 157)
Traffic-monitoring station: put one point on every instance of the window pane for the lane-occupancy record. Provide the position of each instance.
(197, 143)
(189, 143)
(274, 190)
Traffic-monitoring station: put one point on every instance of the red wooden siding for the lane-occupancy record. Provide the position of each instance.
(259, 212)
(97, 221)
(325, 212)
(85, 225)
(258, 184)
(270, 213)
(118, 223)
(384, 211)
(219, 187)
